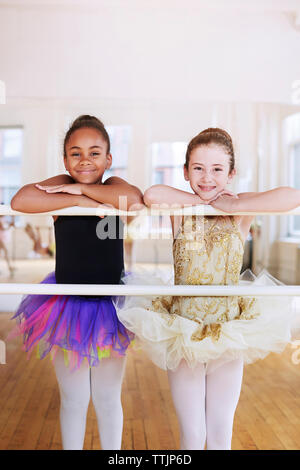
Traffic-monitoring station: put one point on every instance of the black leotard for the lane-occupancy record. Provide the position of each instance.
(81, 256)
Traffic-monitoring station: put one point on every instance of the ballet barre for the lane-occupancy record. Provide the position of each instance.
(145, 290)
(142, 290)
(188, 210)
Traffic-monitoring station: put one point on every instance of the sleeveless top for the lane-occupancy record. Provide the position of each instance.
(208, 250)
(89, 250)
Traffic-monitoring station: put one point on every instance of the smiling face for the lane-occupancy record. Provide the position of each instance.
(208, 170)
(86, 156)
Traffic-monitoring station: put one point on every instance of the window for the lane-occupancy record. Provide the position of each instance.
(11, 147)
(294, 220)
(291, 139)
(167, 159)
(120, 137)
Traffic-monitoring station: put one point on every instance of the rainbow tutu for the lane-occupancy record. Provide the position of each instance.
(84, 327)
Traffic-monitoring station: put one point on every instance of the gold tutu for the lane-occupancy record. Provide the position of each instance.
(210, 330)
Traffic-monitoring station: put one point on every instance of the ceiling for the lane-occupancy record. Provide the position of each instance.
(150, 50)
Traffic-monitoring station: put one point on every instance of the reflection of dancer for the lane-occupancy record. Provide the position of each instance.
(5, 236)
(203, 341)
(82, 329)
(38, 247)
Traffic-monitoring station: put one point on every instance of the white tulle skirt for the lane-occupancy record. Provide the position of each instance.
(168, 339)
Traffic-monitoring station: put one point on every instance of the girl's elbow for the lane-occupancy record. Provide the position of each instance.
(135, 201)
(15, 204)
(151, 195)
(19, 206)
(147, 198)
(19, 201)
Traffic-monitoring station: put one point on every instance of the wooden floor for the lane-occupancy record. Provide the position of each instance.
(267, 417)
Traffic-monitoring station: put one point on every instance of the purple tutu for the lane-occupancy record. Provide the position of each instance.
(84, 327)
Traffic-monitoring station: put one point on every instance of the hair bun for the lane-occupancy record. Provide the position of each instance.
(212, 135)
(216, 130)
(86, 119)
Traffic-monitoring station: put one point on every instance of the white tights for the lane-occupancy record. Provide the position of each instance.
(206, 403)
(103, 383)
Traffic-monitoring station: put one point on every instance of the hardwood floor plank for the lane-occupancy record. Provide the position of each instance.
(267, 416)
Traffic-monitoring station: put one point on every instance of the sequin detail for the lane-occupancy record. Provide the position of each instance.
(208, 251)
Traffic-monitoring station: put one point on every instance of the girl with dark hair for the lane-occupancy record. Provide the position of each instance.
(82, 334)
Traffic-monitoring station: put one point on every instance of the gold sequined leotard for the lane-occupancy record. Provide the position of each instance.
(208, 251)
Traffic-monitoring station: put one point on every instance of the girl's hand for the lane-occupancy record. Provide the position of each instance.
(75, 188)
(224, 201)
(225, 192)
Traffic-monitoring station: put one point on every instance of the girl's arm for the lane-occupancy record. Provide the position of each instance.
(114, 191)
(281, 199)
(167, 195)
(30, 199)
(163, 194)
(276, 200)
(115, 188)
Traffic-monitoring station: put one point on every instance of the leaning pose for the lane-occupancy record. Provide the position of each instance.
(82, 334)
(203, 342)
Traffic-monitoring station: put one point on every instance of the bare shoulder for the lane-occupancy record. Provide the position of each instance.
(115, 180)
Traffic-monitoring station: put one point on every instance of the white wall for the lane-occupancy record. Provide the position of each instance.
(166, 51)
(168, 69)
